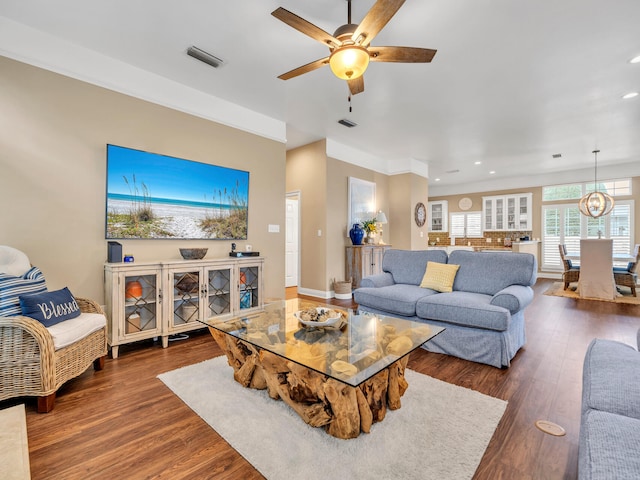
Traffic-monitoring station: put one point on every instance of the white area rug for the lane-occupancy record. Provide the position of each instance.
(441, 431)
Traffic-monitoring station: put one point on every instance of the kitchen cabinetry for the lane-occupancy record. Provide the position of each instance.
(437, 214)
(363, 260)
(158, 299)
(507, 212)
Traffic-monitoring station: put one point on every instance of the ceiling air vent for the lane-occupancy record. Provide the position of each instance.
(452, 171)
(347, 123)
(556, 155)
(205, 57)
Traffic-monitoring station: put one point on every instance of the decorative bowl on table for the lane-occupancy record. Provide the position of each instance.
(193, 253)
(318, 317)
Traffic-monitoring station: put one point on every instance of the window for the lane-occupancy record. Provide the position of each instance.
(565, 224)
(467, 225)
(574, 191)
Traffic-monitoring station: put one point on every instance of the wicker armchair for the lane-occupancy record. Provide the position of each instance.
(629, 276)
(571, 273)
(29, 364)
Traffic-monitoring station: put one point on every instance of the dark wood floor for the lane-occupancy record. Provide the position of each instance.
(123, 422)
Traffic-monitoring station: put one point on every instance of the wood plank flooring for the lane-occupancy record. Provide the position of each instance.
(123, 422)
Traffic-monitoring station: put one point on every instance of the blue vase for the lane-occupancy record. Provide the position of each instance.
(356, 234)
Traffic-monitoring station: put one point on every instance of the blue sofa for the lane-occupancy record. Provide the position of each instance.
(484, 314)
(610, 417)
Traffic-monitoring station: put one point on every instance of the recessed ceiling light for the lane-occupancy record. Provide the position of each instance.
(437, 179)
(492, 172)
(477, 163)
(635, 59)
(630, 95)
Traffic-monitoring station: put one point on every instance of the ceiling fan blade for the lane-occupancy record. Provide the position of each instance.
(376, 19)
(309, 67)
(401, 54)
(356, 85)
(306, 27)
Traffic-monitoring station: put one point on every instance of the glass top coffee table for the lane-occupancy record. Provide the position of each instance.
(340, 374)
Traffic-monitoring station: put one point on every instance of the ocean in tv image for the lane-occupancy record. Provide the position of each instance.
(157, 196)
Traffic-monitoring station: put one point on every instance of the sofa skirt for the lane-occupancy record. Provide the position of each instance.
(491, 347)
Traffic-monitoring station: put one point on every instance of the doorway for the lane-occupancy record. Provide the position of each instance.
(292, 239)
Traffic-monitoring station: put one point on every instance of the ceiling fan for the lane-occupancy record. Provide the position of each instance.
(350, 44)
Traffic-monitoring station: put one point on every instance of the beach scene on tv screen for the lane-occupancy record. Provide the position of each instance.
(156, 196)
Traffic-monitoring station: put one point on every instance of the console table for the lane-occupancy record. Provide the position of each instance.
(157, 299)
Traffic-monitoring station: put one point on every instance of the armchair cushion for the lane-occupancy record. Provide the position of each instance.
(12, 287)
(50, 308)
(70, 331)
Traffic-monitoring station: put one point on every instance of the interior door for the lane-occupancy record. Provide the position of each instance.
(292, 240)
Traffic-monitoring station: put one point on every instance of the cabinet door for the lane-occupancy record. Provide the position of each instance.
(512, 213)
(489, 213)
(437, 216)
(500, 214)
(367, 261)
(142, 298)
(524, 212)
(185, 291)
(249, 284)
(376, 260)
(218, 296)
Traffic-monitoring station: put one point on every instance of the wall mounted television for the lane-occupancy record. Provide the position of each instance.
(156, 196)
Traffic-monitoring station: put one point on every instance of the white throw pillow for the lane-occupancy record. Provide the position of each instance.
(13, 262)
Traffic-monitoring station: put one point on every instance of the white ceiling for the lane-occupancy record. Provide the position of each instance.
(513, 82)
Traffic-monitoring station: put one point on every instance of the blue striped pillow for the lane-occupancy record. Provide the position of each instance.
(12, 287)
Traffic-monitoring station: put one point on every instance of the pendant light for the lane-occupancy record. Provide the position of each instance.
(596, 204)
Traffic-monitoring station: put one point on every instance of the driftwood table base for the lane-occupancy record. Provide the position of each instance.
(342, 410)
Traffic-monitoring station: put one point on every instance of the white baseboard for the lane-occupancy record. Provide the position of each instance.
(315, 293)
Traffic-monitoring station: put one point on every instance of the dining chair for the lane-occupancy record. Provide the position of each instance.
(596, 269)
(571, 272)
(628, 276)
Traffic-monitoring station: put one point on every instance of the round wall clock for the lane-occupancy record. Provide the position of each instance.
(420, 214)
(465, 203)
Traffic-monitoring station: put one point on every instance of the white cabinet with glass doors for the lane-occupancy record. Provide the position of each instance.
(148, 300)
(437, 214)
(507, 212)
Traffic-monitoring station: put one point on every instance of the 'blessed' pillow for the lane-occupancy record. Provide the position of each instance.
(50, 308)
(12, 287)
(439, 276)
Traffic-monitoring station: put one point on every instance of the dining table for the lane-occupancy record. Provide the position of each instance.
(616, 257)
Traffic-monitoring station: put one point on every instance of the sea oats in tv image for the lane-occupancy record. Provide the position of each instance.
(156, 196)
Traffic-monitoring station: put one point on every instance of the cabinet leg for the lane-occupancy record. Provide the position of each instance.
(165, 341)
(114, 351)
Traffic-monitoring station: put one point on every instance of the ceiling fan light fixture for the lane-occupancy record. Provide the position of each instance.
(349, 62)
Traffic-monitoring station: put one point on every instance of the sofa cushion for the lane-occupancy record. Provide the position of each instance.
(611, 376)
(12, 287)
(464, 308)
(439, 276)
(408, 266)
(609, 446)
(70, 331)
(398, 299)
(490, 272)
(50, 308)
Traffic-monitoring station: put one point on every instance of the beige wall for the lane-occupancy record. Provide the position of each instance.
(53, 132)
(405, 191)
(306, 172)
(324, 186)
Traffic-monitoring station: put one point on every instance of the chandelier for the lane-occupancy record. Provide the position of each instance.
(596, 204)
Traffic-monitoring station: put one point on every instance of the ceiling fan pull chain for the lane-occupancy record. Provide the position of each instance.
(349, 100)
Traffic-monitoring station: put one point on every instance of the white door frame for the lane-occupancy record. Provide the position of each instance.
(297, 195)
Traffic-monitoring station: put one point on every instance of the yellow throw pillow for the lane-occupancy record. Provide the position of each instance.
(439, 276)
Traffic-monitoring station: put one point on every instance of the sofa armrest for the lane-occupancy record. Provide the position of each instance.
(376, 281)
(514, 298)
